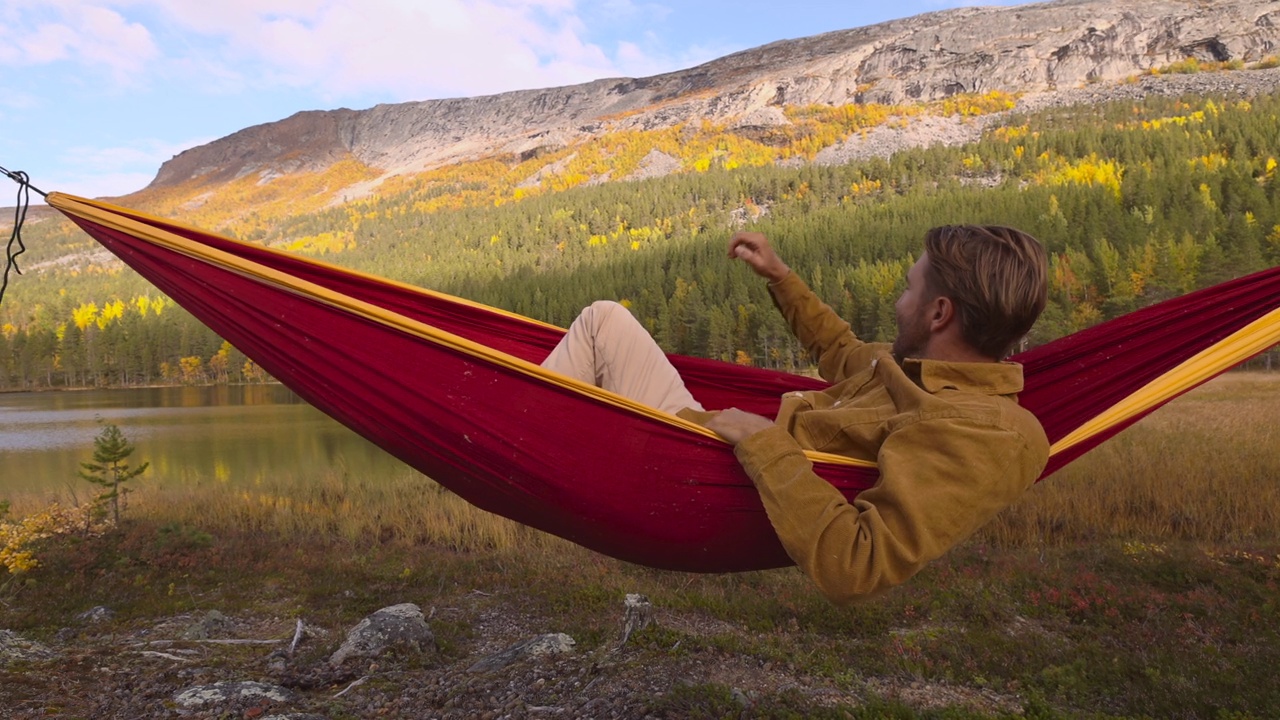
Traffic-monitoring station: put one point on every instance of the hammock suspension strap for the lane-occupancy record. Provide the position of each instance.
(14, 248)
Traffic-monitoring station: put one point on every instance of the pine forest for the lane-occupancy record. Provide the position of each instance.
(1136, 202)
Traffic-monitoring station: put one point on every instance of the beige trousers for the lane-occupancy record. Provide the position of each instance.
(607, 347)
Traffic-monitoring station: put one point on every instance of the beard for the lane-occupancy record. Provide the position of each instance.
(913, 335)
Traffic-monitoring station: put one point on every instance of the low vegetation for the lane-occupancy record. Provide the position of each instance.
(1141, 581)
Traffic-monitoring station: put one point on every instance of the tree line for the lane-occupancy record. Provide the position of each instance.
(1135, 201)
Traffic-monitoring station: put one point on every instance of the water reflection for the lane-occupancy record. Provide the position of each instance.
(234, 434)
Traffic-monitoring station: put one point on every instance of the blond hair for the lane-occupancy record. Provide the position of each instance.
(995, 276)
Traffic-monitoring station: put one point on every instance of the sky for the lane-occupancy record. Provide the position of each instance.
(96, 94)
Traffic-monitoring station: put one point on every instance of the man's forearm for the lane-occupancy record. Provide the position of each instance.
(824, 334)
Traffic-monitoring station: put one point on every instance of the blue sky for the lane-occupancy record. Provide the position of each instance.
(96, 94)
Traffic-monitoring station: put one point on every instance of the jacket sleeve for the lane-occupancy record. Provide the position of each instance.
(823, 333)
(939, 481)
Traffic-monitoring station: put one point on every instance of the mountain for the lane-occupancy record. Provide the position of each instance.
(1137, 141)
(1037, 50)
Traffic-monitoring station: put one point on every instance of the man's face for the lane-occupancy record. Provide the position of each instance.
(912, 311)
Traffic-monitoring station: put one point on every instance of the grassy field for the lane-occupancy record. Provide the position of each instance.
(1141, 581)
(1205, 468)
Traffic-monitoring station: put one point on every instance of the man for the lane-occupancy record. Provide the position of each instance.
(937, 410)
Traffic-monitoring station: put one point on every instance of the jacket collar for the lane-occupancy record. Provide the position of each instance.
(1002, 378)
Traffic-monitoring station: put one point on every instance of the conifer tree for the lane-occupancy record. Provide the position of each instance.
(109, 468)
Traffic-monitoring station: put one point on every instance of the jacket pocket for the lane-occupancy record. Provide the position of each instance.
(853, 431)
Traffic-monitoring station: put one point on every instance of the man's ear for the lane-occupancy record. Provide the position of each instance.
(942, 312)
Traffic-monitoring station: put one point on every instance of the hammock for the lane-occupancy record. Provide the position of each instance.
(453, 388)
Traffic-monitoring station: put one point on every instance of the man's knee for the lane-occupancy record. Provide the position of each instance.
(608, 307)
(607, 313)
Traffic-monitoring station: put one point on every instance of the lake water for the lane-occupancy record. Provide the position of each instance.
(235, 434)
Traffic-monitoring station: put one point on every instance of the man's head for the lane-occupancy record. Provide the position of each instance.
(983, 286)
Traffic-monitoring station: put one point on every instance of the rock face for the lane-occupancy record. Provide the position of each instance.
(305, 141)
(1026, 48)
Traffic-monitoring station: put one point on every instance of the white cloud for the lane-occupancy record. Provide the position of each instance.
(408, 50)
(108, 39)
(397, 49)
(403, 49)
(45, 44)
(80, 31)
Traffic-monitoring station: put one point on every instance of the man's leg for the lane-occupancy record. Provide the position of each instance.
(607, 347)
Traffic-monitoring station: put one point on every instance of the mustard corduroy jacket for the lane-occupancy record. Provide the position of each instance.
(952, 444)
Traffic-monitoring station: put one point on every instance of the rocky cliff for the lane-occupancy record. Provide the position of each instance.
(1037, 48)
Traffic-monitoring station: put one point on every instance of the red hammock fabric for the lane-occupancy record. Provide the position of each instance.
(602, 476)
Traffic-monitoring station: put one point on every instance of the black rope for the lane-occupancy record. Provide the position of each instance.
(15, 246)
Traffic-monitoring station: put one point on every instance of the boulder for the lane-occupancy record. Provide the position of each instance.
(229, 693)
(214, 624)
(550, 644)
(399, 626)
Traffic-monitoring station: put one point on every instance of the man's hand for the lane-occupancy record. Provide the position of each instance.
(753, 248)
(736, 425)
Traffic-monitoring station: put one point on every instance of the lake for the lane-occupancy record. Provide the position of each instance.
(237, 435)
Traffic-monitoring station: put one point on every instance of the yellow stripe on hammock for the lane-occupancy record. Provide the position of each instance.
(1244, 343)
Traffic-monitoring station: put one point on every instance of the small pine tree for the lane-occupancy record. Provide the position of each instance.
(110, 451)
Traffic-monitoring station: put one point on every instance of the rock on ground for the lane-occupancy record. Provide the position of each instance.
(400, 626)
(15, 648)
(230, 692)
(551, 644)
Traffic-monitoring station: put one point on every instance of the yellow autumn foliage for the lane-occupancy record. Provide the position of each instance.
(192, 368)
(323, 243)
(1212, 161)
(19, 538)
(1013, 132)
(110, 311)
(249, 205)
(85, 314)
(972, 105)
(1092, 171)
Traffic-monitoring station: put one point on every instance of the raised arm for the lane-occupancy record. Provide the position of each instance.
(823, 333)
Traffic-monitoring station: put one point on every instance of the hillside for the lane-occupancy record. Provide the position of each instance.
(1026, 49)
(1144, 187)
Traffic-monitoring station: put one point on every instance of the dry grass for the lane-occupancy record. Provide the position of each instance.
(405, 508)
(1204, 468)
(1149, 626)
